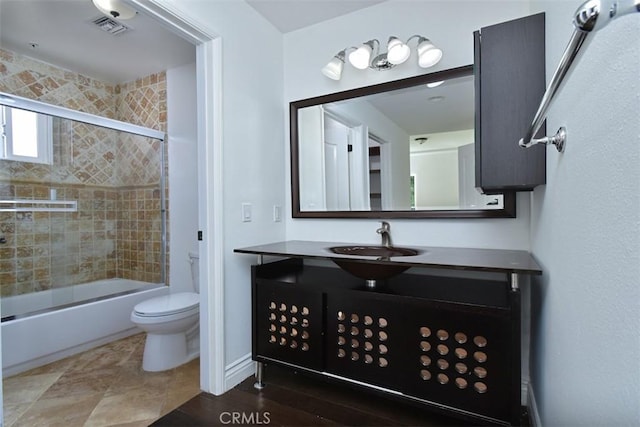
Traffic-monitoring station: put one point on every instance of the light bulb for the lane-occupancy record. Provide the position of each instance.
(428, 54)
(397, 51)
(361, 57)
(115, 8)
(333, 69)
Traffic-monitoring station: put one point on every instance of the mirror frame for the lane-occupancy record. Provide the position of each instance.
(509, 197)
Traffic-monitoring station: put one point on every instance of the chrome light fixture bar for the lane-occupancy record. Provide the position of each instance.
(367, 56)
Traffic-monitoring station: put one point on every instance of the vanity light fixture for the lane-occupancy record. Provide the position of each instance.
(367, 56)
(117, 9)
(333, 69)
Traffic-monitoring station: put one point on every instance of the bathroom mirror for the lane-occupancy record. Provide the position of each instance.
(401, 149)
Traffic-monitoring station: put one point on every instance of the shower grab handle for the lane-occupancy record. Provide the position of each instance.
(592, 15)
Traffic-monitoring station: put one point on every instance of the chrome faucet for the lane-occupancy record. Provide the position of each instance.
(385, 233)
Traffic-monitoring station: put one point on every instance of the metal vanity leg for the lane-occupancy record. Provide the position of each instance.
(259, 384)
(515, 281)
(516, 349)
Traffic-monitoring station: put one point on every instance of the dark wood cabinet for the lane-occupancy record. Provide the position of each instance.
(448, 341)
(450, 344)
(510, 82)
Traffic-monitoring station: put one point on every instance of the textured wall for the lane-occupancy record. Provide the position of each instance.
(586, 234)
(114, 176)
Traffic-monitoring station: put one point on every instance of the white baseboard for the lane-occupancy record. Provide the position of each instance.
(238, 371)
(533, 409)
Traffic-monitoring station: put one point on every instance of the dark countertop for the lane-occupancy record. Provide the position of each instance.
(496, 260)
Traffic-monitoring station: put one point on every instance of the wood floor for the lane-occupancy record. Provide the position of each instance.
(292, 399)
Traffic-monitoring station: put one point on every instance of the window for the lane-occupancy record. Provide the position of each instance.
(26, 136)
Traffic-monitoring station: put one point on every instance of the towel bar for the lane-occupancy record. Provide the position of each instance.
(28, 205)
(592, 15)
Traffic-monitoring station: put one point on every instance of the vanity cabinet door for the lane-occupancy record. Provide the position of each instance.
(510, 82)
(288, 324)
(446, 353)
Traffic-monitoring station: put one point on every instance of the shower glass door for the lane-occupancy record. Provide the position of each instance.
(82, 212)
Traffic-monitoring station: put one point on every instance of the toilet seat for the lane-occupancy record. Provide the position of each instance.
(168, 305)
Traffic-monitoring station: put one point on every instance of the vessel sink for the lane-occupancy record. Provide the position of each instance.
(372, 271)
(377, 251)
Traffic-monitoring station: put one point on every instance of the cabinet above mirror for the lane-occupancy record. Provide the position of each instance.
(402, 149)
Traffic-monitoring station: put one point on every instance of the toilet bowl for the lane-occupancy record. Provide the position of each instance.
(172, 326)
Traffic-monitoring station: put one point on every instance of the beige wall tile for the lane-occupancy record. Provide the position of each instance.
(101, 169)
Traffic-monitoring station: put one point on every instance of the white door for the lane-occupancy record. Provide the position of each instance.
(359, 168)
(311, 159)
(336, 163)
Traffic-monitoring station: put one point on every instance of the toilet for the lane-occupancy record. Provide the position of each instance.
(172, 326)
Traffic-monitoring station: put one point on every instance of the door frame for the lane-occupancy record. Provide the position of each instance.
(210, 172)
(210, 207)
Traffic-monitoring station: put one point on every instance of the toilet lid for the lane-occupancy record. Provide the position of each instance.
(168, 304)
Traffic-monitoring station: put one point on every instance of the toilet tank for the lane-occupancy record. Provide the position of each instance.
(194, 260)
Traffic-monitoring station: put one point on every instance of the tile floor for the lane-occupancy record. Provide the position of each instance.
(105, 386)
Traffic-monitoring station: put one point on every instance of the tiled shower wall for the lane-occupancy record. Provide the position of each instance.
(114, 177)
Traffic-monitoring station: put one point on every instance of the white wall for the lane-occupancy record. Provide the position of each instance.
(585, 229)
(436, 167)
(436, 184)
(183, 174)
(450, 25)
(253, 148)
(586, 234)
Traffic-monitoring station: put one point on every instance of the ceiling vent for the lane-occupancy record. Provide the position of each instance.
(110, 26)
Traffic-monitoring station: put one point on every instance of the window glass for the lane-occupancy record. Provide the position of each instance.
(27, 136)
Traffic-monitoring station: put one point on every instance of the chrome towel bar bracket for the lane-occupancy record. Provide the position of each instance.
(591, 16)
(558, 140)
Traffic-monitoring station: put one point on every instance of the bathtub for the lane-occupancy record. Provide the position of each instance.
(46, 326)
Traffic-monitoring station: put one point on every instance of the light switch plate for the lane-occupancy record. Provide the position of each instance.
(277, 213)
(246, 212)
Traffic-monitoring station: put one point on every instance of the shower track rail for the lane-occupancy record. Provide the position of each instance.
(28, 205)
(591, 16)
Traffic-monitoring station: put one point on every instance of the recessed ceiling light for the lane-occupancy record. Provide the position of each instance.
(115, 8)
(435, 84)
